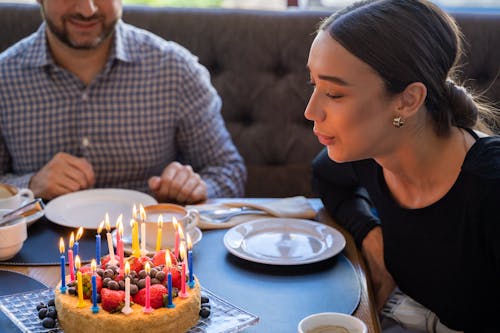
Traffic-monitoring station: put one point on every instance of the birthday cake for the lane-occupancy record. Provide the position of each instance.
(175, 314)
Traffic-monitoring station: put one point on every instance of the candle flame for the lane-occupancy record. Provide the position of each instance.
(182, 250)
(168, 260)
(160, 222)
(79, 234)
(101, 226)
(71, 240)
(181, 232)
(77, 262)
(142, 212)
(93, 266)
(132, 222)
(61, 245)
(134, 212)
(127, 268)
(119, 221)
(106, 222)
(147, 268)
(189, 243)
(120, 229)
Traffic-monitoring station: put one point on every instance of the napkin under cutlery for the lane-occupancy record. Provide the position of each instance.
(292, 207)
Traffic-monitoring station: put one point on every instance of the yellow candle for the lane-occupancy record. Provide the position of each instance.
(136, 251)
(159, 233)
(142, 213)
(79, 278)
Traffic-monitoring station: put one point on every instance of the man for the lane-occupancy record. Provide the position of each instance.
(89, 101)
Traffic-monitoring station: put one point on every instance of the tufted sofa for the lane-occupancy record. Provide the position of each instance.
(257, 61)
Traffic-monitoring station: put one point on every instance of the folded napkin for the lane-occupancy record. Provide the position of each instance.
(293, 207)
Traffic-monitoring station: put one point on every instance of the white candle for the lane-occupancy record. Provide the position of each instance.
(127, 309)
(112, 259)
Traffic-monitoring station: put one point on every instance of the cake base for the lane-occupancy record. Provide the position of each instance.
(81, 320)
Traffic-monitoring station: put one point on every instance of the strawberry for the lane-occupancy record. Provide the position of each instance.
(137, 264)
(176, 276)
(156, 291)
(159, 258)
(85, 269)
(106, 259)
(112, 300)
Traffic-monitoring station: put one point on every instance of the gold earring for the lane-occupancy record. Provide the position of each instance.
(398, 122)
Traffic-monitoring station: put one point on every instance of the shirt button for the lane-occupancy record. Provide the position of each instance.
(85, 96)
(85, 141)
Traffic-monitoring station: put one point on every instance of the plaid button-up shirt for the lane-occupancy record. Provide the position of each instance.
(152, 104)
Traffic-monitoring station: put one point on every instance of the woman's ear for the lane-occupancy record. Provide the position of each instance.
(411, 99)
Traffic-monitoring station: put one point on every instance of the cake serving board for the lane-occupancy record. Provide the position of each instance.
(224, 317)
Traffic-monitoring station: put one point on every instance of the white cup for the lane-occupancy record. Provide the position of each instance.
(187, 219)
(12, 197)
(331, 322)
(12, 237)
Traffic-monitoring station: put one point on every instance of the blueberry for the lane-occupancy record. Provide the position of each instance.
(204, 299)
(51, 312)
(40, 306)
(204, 312)
(49, 322)
(42, 313)
(52, 302)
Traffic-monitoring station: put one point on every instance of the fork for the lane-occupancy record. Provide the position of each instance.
(217, 217)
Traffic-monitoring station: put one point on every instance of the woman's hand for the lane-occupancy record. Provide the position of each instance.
(373, 251)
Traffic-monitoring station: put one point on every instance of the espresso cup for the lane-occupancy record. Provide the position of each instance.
(331, 322)
(187, 219)
(12, 197)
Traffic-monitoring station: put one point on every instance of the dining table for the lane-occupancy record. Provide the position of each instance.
(277, 296)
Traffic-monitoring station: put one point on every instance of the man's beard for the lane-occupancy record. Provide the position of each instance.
(63, 35)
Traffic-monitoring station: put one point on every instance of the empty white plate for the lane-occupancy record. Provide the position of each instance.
(87, 208)
(284, 241)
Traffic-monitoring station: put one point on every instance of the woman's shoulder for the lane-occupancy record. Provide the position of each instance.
(483, 158)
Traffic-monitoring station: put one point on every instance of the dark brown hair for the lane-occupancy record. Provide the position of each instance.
(407, 41)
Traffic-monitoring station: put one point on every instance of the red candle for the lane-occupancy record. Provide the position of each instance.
(118, 236)
(148, 308)
(119, 247)
(70, 257)
(176, 228)
(183, 293)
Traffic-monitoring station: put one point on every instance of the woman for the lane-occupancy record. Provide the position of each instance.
(399, 138)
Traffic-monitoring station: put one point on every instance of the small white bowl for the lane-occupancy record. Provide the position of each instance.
(12, 237)
(321, 322)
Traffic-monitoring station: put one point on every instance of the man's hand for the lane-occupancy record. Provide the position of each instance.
(178, 183)
(63, 174)
(373, 252)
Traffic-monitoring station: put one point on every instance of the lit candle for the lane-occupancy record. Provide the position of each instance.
(70, 257)
(79, 279)
(159, 233)
(63, 267)
(191, 282)
(98, 243)
(127, 309)
(176, 230)
(95, 308)
(142, 213)
(120, 249)
(119, 221)
(76, 246)
(148, 308)
(112, 259)
(169, 279)
(183, 293)
(136, 251)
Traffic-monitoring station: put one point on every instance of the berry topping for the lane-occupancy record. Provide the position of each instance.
(157, 291)
(112, 300)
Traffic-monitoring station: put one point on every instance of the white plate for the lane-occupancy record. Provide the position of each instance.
(195, 234)
(87, 208)
(284, 241)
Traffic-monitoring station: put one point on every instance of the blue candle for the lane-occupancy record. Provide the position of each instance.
(191, 282)
(95, 308)
(76, 246)
(98, 243)
(63, 267)
(169, 287)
